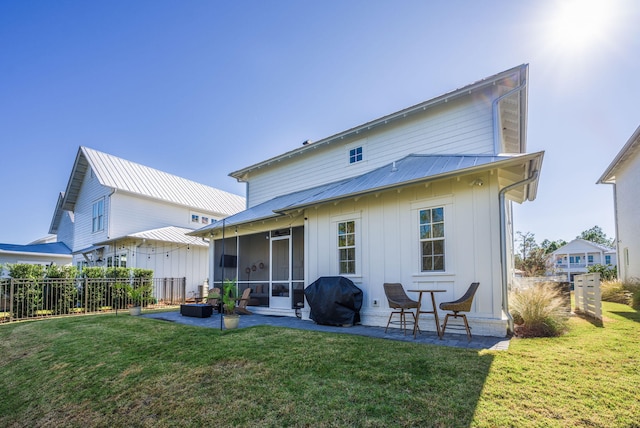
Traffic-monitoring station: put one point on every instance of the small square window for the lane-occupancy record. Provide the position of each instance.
(195, 218)
(355, 155)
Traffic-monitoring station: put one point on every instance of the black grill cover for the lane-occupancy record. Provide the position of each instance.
(334, 300)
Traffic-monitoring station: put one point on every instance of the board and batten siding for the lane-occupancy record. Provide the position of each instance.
(457, 127)
(389, 247)
(628, 206)
(171, 261)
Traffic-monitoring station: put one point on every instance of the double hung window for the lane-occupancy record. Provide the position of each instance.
(97, 222)
(347, 247)
(432, 239)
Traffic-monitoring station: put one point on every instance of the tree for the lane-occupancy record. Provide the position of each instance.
(531, 259)
(550, 246)
(527, 243)
(597, 235)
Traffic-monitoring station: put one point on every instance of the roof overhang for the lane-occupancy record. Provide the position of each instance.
(91, 249)
(80, 167)
(530, 162)
(630, 149)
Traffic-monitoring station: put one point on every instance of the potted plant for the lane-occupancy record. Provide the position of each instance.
(138, 295)
(231, 319)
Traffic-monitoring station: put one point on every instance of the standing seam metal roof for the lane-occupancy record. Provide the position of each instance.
(134, 178)
(410, 169)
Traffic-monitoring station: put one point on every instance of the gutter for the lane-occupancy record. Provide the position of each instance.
(503, 246)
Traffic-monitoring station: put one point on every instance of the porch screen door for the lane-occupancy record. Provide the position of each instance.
(281, 272)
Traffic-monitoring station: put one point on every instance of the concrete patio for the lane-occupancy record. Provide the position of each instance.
(428, 337)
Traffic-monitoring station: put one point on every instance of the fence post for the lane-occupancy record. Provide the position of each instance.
(86, 295)
(11, 295)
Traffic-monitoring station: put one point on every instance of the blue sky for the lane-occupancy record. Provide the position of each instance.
(203, 88)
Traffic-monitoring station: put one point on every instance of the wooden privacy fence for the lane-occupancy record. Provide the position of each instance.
(586, 290)
(22, 299)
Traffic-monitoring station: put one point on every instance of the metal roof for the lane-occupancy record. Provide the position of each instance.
(264, 210)
(172, 234)
(57, 248)
(131, 177)
(409, 170)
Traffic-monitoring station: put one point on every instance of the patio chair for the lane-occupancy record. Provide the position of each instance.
(402, 304)
(213, 298)
(241, 308)
(463, 304)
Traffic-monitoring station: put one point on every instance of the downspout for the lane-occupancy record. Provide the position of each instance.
(503, 245)
(615, 221)
(496, 116)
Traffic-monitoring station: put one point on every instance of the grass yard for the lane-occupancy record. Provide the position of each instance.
(113, 371)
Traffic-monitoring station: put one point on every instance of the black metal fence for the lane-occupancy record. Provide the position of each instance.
(22, 299)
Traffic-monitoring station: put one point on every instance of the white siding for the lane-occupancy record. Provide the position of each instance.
(44, 259)
(389, 247)
(90, 192)
(169, 261)
(458, 127)
(628, 211)
(131, 214)
(66, 229)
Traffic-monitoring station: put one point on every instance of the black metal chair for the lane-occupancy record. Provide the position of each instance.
(463, 304)
(399, 300)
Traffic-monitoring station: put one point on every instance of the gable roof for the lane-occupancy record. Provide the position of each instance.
(130, 177)
(510, 116)
(578, 245)
(630, 149)
(57, 248)
(412, 169)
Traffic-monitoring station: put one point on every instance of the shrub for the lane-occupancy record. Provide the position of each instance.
(614, 291)
(625, 292)
(607, 273)
(539, 310)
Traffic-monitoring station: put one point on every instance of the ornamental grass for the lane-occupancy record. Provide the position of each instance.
(538, 311)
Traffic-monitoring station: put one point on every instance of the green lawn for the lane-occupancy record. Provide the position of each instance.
(113, 371)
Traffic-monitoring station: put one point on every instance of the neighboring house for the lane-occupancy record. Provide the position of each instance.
(119, 213)
(36, 253)
(624, 174)
(575, 257)
(421, 196)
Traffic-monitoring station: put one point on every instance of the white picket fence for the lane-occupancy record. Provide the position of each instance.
(586, 292)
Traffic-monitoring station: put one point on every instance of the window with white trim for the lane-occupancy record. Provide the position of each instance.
(432, 240)
(347, 247)
(355, 154)
(97, 217)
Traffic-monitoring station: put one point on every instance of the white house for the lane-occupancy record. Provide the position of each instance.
(45, 254)
(575, 257)
(119, 213)
(421, 196)
(624, 174)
